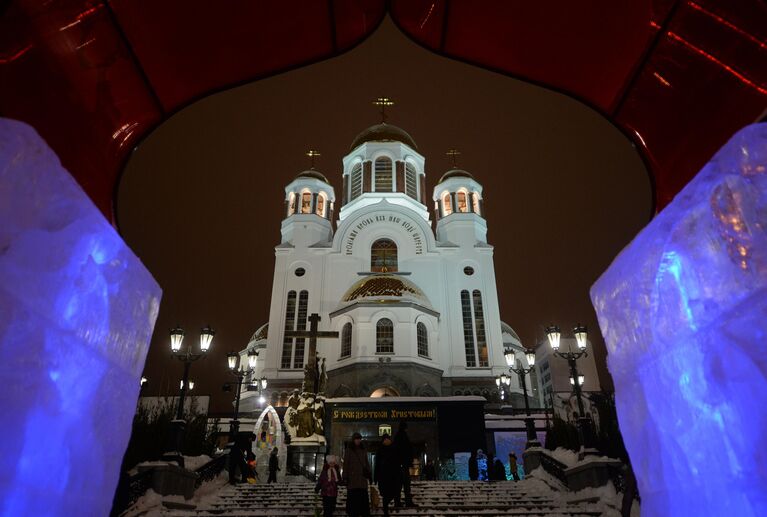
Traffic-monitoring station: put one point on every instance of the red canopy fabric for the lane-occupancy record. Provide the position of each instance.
(94, 77)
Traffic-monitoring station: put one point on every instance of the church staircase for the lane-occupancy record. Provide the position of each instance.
(434, 499)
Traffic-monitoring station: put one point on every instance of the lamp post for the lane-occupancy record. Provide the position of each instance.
(511, 360)
(187, 357)
(233, 360)
(581, 335)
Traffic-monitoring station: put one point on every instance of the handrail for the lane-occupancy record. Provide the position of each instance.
(553, 466)
(138, 485)
(211, 469)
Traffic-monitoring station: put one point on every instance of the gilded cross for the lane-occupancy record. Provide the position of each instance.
(311, 153)
(382, 102)
(453, 153)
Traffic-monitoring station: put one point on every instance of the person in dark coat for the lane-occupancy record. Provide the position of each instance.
(429, 471)
(473, 466)
(513, 467)
(405, 452)
(327, 485)
(237, 460)
(388, 473)
(499, 471)
(356, 475)
(274, 466)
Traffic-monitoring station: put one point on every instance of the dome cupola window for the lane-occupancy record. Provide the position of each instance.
(321, 205)
(383, 175)
(411, 180)
(460, 198)
(447, 204)
(291, 204)
(306, 203)
(383, 256)
(475, 203)
(356, 181)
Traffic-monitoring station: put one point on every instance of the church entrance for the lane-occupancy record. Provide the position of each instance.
(386, 391)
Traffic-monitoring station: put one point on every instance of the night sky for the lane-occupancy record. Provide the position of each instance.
(201, 199)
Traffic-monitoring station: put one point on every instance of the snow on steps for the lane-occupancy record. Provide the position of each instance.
(434, 499)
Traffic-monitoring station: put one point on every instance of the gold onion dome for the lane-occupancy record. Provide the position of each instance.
(385, 287)
(384, 132)
(455, 173)
(311, 173)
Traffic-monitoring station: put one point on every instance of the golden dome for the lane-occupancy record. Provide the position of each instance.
(385, 287)
(455, 173)
(384, 132)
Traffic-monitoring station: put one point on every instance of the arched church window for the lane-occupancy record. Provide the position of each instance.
(411, 180)
(321, 205)
(460, 200)
(447, 205)
(479, 325)
(303, 304)
(475, 202)
(384, 336)
(346, 340)
(356, 181)
(306, 203)
(423, 339)
(468, 330)
(292, 203)
(290, 319)
(383, 256)
(383, 176)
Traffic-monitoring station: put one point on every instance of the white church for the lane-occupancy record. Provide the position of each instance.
(412, 294)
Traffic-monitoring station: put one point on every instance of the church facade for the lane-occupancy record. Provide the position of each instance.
(404, 275)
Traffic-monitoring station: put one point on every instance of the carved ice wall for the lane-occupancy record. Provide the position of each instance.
(683, 310)
(77, 309)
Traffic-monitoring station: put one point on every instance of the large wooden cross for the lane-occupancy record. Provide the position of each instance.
(312, 334)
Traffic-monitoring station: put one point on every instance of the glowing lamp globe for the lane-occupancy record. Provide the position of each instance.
(176, 338)
(231, 359)
(206, 338)
(530, 355)
(554, 335)
(510, 357)
(252, 358)
(581, 335)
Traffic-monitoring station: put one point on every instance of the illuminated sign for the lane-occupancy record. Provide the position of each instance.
(359, 414)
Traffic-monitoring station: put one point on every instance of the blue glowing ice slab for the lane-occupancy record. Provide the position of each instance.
(683, 310)
(77, 310)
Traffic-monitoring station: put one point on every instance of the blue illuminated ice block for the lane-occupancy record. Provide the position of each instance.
(77, 309)
(683, 310)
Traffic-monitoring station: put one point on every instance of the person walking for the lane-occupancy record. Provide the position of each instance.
(356, 475)
(327, 485)
(429, 471)
(473, 466)
(513, 467)
(388, 472)
(237, 461)
(405, 452)
(499, 471)
(274, 466)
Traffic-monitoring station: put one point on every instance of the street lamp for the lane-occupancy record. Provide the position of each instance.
(581, 337)
(233, 359)
(187, 357)
(511, 361)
